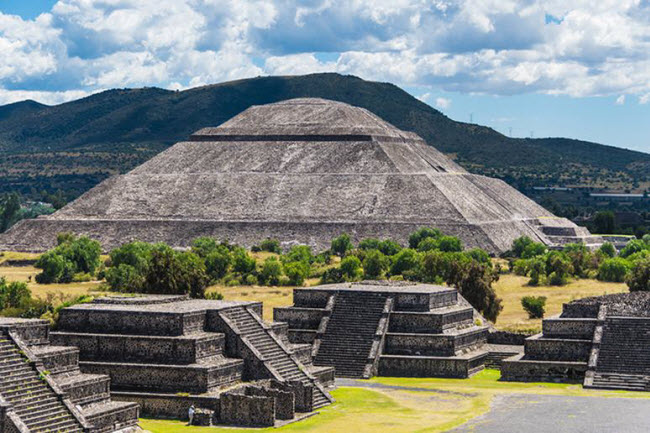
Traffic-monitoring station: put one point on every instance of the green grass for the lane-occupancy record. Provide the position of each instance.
(448, 404)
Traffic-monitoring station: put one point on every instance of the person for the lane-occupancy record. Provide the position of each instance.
(190, 414)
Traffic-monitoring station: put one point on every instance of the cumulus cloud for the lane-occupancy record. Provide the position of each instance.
(499, 47)
(443, 103)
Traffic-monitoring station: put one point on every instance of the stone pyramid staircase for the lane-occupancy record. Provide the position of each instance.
(274, 352)
(33, 400)
(348, 341)
(624, 356)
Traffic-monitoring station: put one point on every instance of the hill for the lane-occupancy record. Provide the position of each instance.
(75, 145)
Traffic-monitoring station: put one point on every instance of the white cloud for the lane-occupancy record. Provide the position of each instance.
(443, 103)
(475, 46)
(620, 100)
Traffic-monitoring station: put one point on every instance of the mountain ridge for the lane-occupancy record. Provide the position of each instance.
(74, 145)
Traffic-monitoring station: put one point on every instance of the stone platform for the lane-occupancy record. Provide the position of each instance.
(388, 328)
(167, 353)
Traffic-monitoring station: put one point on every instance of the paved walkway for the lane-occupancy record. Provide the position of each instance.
(516, 413)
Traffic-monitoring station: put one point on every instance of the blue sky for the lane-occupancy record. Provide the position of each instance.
(527, 67)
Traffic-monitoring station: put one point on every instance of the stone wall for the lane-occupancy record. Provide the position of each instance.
(299, 317)
(413, 322)
(518, 370)
(507, 338)
(173, 406)
(284, 401)
(422, 366)
(245, 410)
(569, 328)
(557, 349)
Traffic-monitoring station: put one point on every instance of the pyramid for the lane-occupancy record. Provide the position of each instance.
(302, 171)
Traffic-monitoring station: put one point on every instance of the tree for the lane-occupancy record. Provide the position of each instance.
(613, 269)
(369, 244)
(271, 246)
(374, 265)
(519, 245)
(296, 272)
(298, 253)
(533, 249)
(242, 262)
(433, 267)
(639, 278)
(173, 272)
(632, 247)
(15, 294)
(218, 262)
(605, 222)
(351, 268)
(536, 270)
(341, 245)
(9, 208)
(71, 257)
(475, 284)
(449, 244)
(608, 249)
(580, 257)
(203, 246)
(422, 233)
(389, 248)
(271, 272)
(534, 306)
(405, 260)
(558, 268)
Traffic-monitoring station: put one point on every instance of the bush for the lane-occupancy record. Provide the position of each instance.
(218, 262)
(71, 256)
(450, 244)
(135, 254)
(296, 272)
(558, 268)
(333, 275)
(534, 306)
(341, 245)
(369, 244)
(536, 270)
(374, 265)
(173, 272)
(474, 282)
(389, 248)
(299, 253)
(125, 278)
(639, 278)
(405, 260)
(533, 249)
(607, 249)
(271, 272)
(614, 270)
(351, 268)
(428, 244)
(433, 267)
(479, 255)
(271, 246)
(422, 233)
(580, 258)
(242, 262)
(13, 295)
(519, 245)
(632, 247)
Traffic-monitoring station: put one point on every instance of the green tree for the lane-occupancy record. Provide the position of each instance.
(9, 209)
(13, 294)
(296, 272)
(519, 245)
(534, 306)
(632, 247)
(203, 246)
(450, 244)
(558, 268)
(299, 253)
(422, 233)
(607, 249)
(389, 248)
(271, 246)
(271, 272)
(639, 278)
(173, 272)
(369, 244)
(406, 260)
(613, 269)
(341, 245)
(351, 268)
(474, 283)
(242, 262)
(218, 262)
(374, 265)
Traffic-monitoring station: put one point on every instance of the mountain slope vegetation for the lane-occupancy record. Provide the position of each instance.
(73, 146)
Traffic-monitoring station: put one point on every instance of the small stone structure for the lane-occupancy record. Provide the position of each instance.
(388, 329)
(603, 342)
(43, 390)
(303, 170)
(168, 352)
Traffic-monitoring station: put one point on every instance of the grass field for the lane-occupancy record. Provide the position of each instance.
(511, 288)
(436, 406)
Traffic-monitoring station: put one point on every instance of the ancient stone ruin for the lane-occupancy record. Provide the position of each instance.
(603, 342)
(303, 171)
(388, 329)
(43, 390)
(169, 352)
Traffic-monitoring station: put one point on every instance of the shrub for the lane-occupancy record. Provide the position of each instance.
(369, 244)
(558, 268)
(333, 275)
(639, 277)
(271, 272)
(405, 260)
(351, 268)
(296, 272)
(341, 245)
(479, 255)
(608, 249)
(533, 249)
(172, 272)
(474, 282)
(580, 258)
(71, 256)
(14, 294)
(374, 265)
(519, 245)
(55, 268)
(428, 244)
(389, 248)
(534, 306)
(299, 253)
(125, 278)
(214, 296)
(218, 262)
(242, 262)
(614, 270)
(450, 244)
(203, 246)
(422, 233)
(135, 254)
(433, 267)
(632, 247)
(271, 246)
(537, 270)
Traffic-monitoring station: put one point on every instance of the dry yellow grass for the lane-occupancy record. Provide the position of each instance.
(511, 288)
(23, 273)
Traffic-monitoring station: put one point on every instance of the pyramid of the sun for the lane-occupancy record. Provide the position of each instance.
(303, 171)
